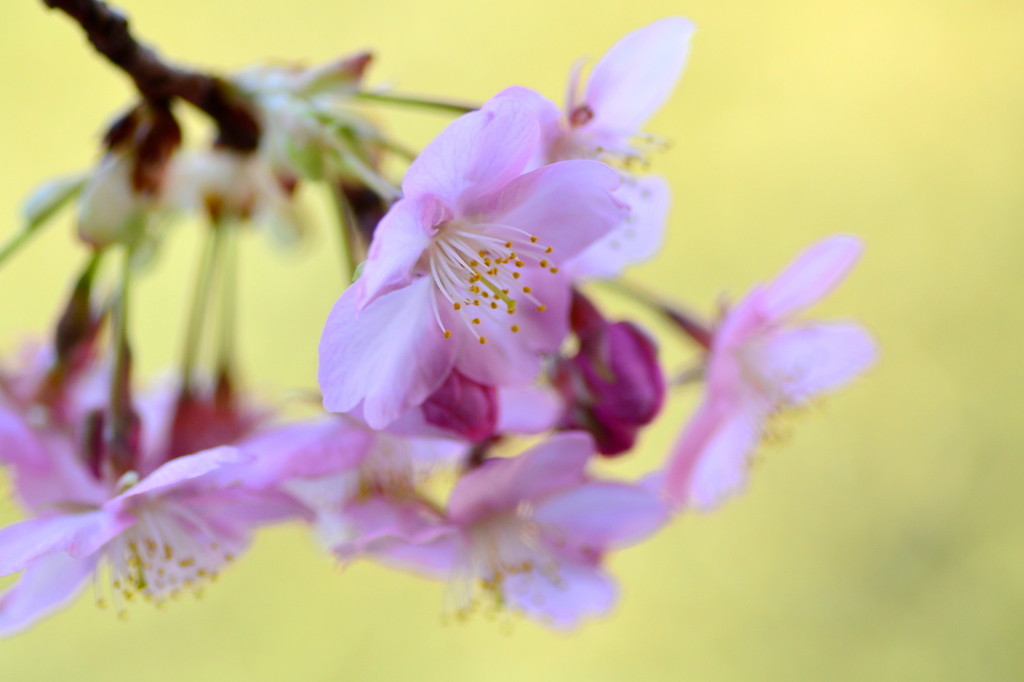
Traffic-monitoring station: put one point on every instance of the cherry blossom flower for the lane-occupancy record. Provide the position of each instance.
(626, 87)
(762, 360)
(163, 527)
(360, 486)
(526, 534)
(463, 272)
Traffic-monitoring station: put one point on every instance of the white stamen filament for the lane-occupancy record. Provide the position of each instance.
(477, 267)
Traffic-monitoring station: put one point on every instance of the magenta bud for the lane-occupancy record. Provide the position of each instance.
(463, 406)
(614, 384)
(620, 367)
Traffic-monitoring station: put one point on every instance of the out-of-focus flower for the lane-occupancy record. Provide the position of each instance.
(762, 361)
(613, 386)
(121, 201)
(463, 272)
(308, 129)
(227, 186)
(356, 482)
(626, 87)
(528, 533)
(162, 526)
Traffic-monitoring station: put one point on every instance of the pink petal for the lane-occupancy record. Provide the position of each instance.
(714, 462)
(182, 470)
(634, 241)
(577, 591)
(500, 484)
(49, 583)
(307, 449)
(475, 156)
(634, 78)
(514, 358)
(389, 358)
(80, 535)
(528, 410)
(812, 275)
(547, 114)
(814, 358)
(434, 559)
(569, 205)
(398, 242)
(19, 446)
(599, 515)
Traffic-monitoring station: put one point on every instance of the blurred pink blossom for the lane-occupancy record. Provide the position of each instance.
(762, 360)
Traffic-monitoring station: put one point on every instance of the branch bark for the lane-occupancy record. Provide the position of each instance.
(159, 82)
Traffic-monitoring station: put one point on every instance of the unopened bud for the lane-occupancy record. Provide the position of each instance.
(463, 406)
(110, 210)
(614, 384)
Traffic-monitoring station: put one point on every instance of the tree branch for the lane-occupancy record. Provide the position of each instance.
(158, 81)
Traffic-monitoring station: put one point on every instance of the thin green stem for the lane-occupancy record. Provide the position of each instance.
(15, 243)
(690, 323)
(200, 304)
(122, 437)
(228, 302)
(415, 101)
(347, 232)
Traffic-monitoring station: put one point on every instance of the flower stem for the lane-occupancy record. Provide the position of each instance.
(123, 434)
(688, 322)
(228, 303)
(200, 303)
(15, 243)
(415, 101)
(347, 232)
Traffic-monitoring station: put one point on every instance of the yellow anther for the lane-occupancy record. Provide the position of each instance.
(533, 240)
(543, 263)
(483, 340)
(515, 275)
(515, 327)
(475, 320)
(458, 305)
(473, 263)
(493, 304)
(520, 263)
(485, 294)
(482, 253)
(554, 271)
(548, 250)
(447, 334)
(541, 308)
(527, 290)
(508, 245)
(476, 301)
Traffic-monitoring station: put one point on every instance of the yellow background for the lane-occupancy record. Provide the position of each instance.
(882, 541)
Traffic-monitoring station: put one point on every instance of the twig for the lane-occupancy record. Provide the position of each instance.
(158, 81)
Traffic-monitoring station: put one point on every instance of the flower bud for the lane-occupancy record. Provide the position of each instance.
(614, 384)
(119, 198)
(463, 406)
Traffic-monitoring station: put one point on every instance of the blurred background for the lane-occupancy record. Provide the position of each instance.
(881, 540)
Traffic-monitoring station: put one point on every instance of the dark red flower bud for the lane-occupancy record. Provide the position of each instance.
(614, 384)
(464, 407)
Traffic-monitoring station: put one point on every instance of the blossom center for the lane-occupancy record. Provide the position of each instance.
(478, 267)
(169, 549)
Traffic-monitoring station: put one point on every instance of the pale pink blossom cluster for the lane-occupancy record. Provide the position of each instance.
(469, 382)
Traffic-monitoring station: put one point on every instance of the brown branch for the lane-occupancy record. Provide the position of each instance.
(160, 82)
